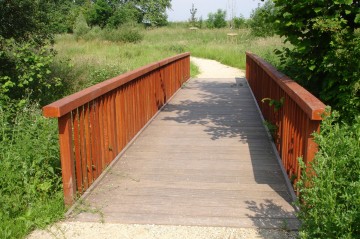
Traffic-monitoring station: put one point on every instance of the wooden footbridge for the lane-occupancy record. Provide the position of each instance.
(154, 147)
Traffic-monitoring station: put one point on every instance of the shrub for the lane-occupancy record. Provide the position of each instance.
(216, 20)
(26, 71)
(126, 13)
(99, 13)
(330, 190)
(123, 34)
(325, 52)
(30, 188)
(239, 22)
(80, 26)
(261, 20)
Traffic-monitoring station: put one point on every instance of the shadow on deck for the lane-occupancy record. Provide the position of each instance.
(205, 160)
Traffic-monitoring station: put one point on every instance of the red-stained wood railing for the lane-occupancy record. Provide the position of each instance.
(296, 120)
(97, 123)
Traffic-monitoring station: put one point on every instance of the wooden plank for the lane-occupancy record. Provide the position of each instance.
(67, 158)
(212, 167)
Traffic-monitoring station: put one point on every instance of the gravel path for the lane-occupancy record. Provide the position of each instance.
(81, 230)
(213, 69)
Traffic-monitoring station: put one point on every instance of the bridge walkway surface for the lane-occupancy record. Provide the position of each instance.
(204, 160)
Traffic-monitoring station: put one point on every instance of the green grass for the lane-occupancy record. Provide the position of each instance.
(92, 61)
(30, 191)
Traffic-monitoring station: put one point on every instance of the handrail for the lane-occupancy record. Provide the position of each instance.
(97, 123)
(296, 120)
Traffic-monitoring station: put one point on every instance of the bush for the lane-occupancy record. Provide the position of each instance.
(127, 34)
(330, 191)
(262, 23)
(26, 71)
(30, 182)
(324, 55)
(124, 34)
(216, 20)
(80, 26)
(126, 13)
(99, 13)
(239, 22)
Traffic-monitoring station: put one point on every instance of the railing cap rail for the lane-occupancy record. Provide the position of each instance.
(71, 102)
(311, 105)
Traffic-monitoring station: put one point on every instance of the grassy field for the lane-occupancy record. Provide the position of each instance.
(95, 60)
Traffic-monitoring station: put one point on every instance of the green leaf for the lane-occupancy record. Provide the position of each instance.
(317, 9)
(357, 18)
(287, 15)
(312, 67)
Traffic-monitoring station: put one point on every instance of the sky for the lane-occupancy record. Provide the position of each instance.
(181, 8)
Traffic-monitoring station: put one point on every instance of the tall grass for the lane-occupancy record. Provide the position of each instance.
(30, 189)
(215, 44)
(95, 60)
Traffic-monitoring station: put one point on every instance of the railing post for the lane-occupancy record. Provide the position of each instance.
(67, 158)
(311, 147)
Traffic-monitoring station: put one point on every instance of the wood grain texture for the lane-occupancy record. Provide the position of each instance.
(205, 160)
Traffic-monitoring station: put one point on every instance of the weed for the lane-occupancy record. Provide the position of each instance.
(276, 103)
(30, 190)
(271, 128)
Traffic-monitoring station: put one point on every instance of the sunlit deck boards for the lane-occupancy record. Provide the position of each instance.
(205, 160)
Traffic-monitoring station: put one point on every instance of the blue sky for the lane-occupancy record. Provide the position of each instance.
(181, 8)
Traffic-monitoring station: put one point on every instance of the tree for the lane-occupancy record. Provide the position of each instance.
(325, 52)
(25, 58)
(239, 22)
(154, 11)
(262, 20)
(24, 19)
(99, 13)
(125, 13)
(193, 19)
(216, 20)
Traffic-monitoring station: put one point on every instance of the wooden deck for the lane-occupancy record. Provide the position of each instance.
(205, 160)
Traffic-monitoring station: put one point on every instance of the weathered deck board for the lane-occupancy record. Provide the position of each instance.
(205, 160)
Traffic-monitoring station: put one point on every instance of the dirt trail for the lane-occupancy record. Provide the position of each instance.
(214, 69)
(80, 230)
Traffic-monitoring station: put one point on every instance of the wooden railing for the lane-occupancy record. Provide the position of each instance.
(294, 111)
(97, 123)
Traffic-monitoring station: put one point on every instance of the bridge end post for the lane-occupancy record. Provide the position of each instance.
(67, 158)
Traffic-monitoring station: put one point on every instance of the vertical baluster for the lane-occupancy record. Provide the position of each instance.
(67, 158)
(83, 148)
(78, 167)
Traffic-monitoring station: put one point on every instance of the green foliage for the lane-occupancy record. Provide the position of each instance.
(276, 103)
(26, 70)
(330, 190)
(239, 22)
(325, 57)
(154, 11)
(25, 19)
(80, 27)
(30, 183)
(216, 20)
(126, 13)
(127, 33)
(63, 16)
(99, 13)
(261, 20)
(193, 20)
